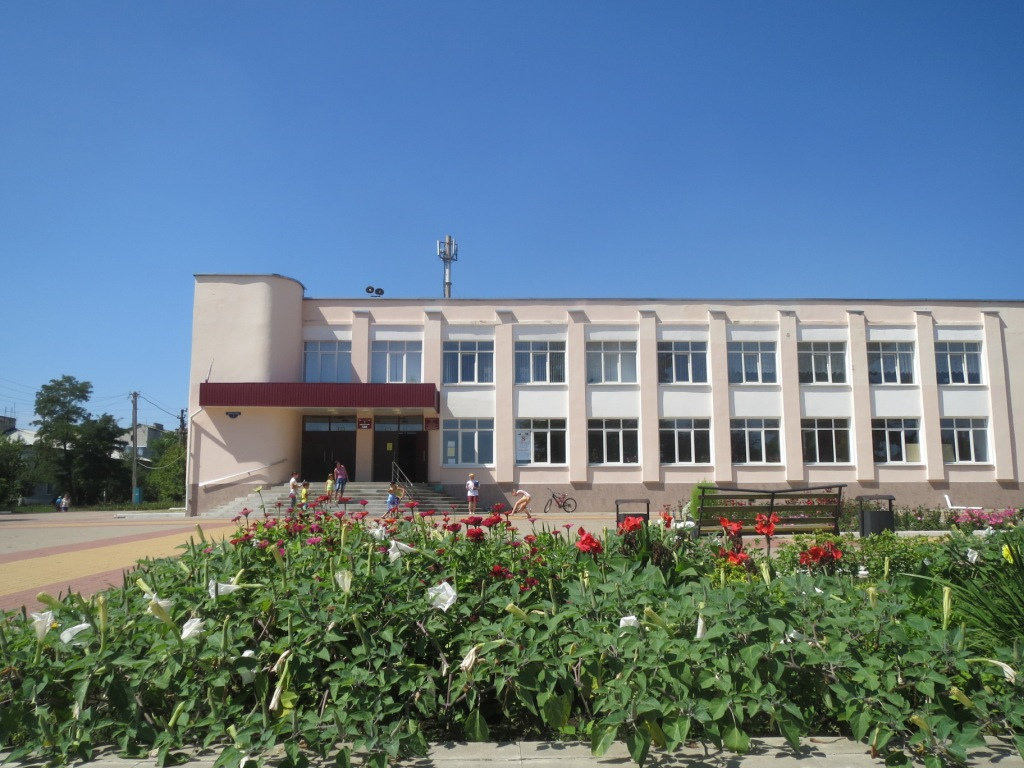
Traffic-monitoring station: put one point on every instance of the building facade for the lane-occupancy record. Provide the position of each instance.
(606, 398)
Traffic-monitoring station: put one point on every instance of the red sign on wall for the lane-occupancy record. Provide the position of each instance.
(364, 423)
(431, 423)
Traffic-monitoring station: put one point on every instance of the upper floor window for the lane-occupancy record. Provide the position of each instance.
(958, 362)
(891, 362)
(611, 362)
(327, 362)
(540, 362)
(540, 441)
(684, 441)
(964, 440)
(396, 362)
(821, 362)
(613, 441)
(755, 441)
(895, 441)
(826, 441)
(468, 362)
(682, 361)
(752, 362)
(468, 441)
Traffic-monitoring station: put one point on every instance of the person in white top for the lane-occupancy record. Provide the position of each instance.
(472, 493)
(522, 503)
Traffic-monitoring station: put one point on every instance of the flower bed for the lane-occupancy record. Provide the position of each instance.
(331, 634)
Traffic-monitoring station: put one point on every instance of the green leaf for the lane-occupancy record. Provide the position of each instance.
(860, 724)
(639, 744)
(736, 740)
(230, 757)
(556, 710)
(476, 727)
(602, 738)
(677, 729)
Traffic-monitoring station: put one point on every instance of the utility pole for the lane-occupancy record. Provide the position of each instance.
(181, 427)
(135, 448)
(448, 251)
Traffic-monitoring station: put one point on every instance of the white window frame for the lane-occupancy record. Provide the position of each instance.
(752, 362)
(761, 441)
(682, 362)
(617, 437)
(900, 438)
(821, 362)
(826, 436)
(890, 362)
(467, 362)
(611, 362)
(964, 441)
(400, 362)
(691, 436)
(467, 442)
(545, 437)
(540, 362)
(958, 362)
(327, 362)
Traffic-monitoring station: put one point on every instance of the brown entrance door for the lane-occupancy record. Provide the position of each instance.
(325, 440)
(402, 441)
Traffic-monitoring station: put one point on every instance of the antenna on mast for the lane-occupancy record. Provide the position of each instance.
(448, 251)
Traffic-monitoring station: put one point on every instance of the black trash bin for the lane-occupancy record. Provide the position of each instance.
(876, 518)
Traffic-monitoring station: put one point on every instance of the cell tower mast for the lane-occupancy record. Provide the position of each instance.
(448, 251)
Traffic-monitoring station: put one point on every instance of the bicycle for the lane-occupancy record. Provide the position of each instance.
(562, 501)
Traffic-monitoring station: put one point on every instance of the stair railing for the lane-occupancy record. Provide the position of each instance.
(399, 477)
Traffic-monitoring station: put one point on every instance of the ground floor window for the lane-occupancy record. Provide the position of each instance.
(826, 441)
(755, 441)
(540, 441)
(468, 441)
(684, 441)
(613, 441)
(964, 440)
(895, 441)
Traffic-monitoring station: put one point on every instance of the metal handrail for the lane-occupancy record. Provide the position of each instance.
(399, 477)
(244, 473)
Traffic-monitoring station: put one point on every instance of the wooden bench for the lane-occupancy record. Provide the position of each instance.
(800, 510)
(620, 516)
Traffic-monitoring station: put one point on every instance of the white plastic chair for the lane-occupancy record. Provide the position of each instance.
(950, 506)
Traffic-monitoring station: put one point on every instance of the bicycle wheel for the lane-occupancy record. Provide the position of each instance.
(547, 507)
(569, 505)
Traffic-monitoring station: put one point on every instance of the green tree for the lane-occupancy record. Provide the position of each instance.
(100, 475)
(60, 405)
(12, 469)
(164, 478)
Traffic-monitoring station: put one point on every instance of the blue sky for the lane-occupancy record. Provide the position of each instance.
(579, 148)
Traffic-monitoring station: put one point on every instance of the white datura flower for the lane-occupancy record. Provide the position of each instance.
(68, 634)
(379, 533)
(192, 628)
(701, 628)
(218, 589)
(629, 621)
(972, 556)
(42, 623)
(397, 549)
(442, 596)
(344, 580)
(469, 660)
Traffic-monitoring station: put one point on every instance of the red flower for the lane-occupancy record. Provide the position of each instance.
(453, 527)
(733, 529)
(765, 525)
(490, 521)
(529, 538)
(738, 558)
(501, 572)
(473, 520)
(587, 543)
(529, 584)
(631, 524)
(474, 534)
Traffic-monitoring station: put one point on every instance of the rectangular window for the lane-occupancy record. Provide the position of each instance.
(327, 362)
(396, 362)
(891, 362)
(964, 440)
(752, 362)
(613, 441)
(540, 441)
(468, 362)
(539, 362)
(826, 441)
(821, 362)
(958, 362)
(895, 441)
(468, 441)
(682, 361)
(755, 441)
(684, 441)
(611, 362)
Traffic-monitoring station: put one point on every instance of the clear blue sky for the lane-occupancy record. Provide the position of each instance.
(671, 148)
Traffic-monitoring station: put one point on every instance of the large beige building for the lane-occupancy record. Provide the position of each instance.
(608, 398)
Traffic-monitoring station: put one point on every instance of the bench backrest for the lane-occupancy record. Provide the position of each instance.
(800, 510)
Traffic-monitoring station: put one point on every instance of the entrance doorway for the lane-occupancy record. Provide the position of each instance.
(325, 440)
(403, 441)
